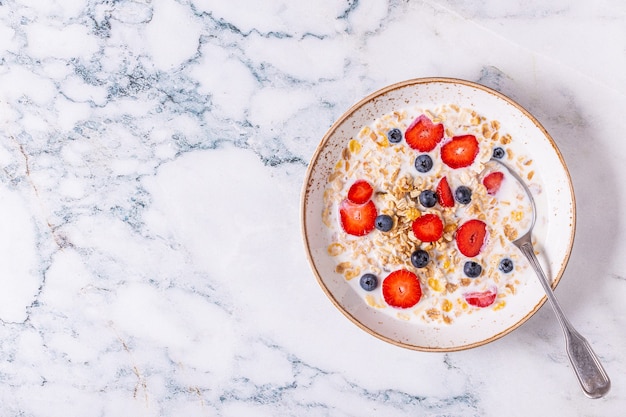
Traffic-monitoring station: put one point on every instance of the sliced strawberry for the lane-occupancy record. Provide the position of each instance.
(470, 237)
(460, 151)
(444, 193)
(480, 299)
(423, 134)
(357, 219)
(428, 228)
(360, 192)
(493, 181)
(402, 289)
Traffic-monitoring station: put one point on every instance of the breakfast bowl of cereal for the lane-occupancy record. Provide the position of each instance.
(408, 228)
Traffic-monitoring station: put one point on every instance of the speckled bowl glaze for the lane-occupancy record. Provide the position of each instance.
(554, 243)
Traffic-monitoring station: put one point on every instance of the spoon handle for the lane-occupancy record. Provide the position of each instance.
(591, 375)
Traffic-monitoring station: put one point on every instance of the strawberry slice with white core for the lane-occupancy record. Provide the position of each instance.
(423, 134)
(460, 151)
(444, 193)
(357, 219)
(470, 237)
(401, 289)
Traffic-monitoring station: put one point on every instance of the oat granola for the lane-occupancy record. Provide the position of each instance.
(389, 165)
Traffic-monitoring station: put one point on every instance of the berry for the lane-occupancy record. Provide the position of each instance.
(428, 198)
(423, 134)
(360, 192)
(470, 237)
(369, 282)
(402, 289)
(472, 269)
(463, 194)
(493, 181)
(423, 163)
(480, 299)
(444, 193)
(428, 228)
(357, 219)
(498, 153)
(506, 265)
(394, 135)
(420, 258)
(460, 151)
(383, 222)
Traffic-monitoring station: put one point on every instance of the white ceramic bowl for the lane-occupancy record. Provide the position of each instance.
(554, 242)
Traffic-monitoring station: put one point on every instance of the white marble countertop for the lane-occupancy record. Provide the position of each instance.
(152, 154)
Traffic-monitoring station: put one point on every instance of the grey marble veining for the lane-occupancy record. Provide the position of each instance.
(152, 154)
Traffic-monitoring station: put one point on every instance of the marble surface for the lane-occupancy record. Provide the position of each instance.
(152, 154)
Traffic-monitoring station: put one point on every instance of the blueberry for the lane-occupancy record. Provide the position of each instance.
(369, 282)
(463, 194)
(428, 198)
(394, 135)
(498, 153)
(472, 269)
(383, 222)
(423, 163)
(506, 265)
(420, 258)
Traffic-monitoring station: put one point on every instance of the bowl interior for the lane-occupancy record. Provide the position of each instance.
(554, 237)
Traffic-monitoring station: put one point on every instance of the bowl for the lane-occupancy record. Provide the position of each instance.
(466, 326)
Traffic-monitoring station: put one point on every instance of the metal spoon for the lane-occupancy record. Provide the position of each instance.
(591, 375)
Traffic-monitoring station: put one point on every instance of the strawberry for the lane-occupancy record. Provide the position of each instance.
(470, 237)
(444, 193)
(428, 228)
(493, 181)
(357, 219)
(360, 192)
(460, 151)
(423, 134)
(402, 289)
(480, 299)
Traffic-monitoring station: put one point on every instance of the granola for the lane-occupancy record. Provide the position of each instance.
(389, 166)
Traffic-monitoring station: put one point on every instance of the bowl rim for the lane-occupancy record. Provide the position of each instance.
(348, 113)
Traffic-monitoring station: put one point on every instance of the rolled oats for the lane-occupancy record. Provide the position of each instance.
(389, 168)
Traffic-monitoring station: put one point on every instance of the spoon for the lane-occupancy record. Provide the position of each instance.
(591, 375)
